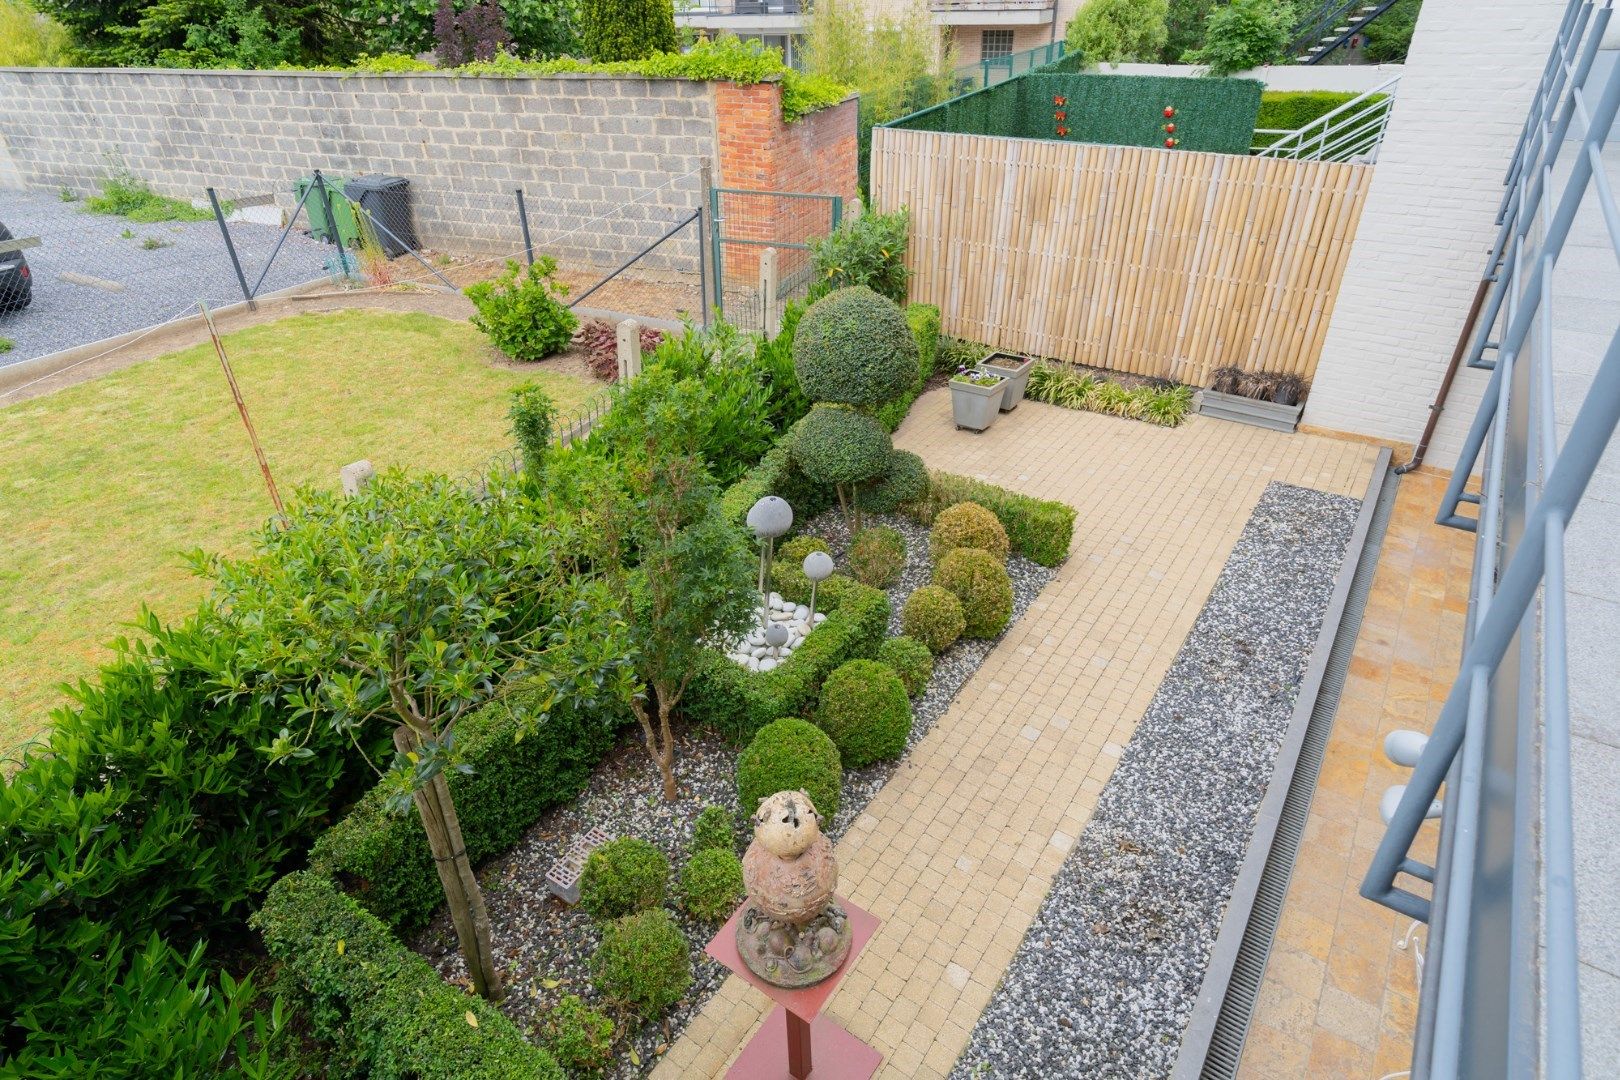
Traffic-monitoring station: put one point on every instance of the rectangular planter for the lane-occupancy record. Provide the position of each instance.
(1017, 369)
(1266, 414)
(975, 407)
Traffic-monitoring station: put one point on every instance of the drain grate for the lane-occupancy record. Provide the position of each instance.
(1231, 1026)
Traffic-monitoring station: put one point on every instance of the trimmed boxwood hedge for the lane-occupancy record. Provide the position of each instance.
(383, 858)
(1041, 530)
(382, 1010)
(924, 320)
(776, 474)
(737, 702)
(1289, 110)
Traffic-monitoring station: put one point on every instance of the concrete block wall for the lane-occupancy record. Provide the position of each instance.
(1429, 222)
(606, 163)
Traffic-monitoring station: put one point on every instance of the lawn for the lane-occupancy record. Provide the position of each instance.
(103, 485)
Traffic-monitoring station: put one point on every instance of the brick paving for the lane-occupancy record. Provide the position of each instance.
(957, 851)
(1339, 999)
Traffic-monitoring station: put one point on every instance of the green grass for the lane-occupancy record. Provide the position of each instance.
(124, 196)
(6, 345)
(103, 484)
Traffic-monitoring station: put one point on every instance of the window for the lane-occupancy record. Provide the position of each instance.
(996, 44)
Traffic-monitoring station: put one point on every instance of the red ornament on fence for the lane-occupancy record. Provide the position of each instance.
(1169, 129)
(1169, 110)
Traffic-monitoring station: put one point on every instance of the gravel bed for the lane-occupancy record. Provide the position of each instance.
(159, 283)
(545, 946)
(1106, 977)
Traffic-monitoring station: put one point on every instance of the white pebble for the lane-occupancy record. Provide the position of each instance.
(766, 664)
(801, 613)
(821, 617)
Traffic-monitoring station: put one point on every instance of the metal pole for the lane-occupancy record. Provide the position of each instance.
(708, 220)
(242, 410)
(411, 251)
(634, 259)
(282, 239)
(523, 218)
(326, 206)
(230, 248)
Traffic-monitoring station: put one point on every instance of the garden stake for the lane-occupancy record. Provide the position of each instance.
(241, 407)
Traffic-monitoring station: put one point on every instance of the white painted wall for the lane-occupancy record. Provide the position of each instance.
(1429, 222)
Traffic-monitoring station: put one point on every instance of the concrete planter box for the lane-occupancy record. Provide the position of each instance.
(1016, 369)
(1244, 410)
(976, 407)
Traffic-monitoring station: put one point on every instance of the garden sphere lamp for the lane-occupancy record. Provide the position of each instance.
(818, 567)
(770, 517)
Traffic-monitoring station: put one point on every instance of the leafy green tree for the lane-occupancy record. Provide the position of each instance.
(1118, 31)
(1184, 28)
(31, 39)
(628, 29)
(408, 606)
(207, 33)
(1245, 34)
(539, 28)
(1390, 35)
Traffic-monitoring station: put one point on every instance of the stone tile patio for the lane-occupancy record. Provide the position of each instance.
(956, 853)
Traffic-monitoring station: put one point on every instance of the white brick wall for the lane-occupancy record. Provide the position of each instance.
(1429, 222)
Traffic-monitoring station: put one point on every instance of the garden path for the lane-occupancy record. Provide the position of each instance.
(957, 851)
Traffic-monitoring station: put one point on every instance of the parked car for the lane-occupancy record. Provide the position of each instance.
(16, 286)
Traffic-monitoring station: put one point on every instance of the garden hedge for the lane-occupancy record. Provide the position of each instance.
(737, 702)
(383, 858)
(1289, 110)
(1041, 530)
(380, 1009)
(776, 474)
(924, 320)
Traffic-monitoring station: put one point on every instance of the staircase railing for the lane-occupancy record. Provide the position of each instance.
(1351, 132)
(998, 69)
(1331, 25)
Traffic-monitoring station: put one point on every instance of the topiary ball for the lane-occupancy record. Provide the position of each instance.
(904, 480)
(854, 347)
(712, 884)
(933, 616)
(865, 710)
(713, 830)
(980, 581)
(877, 555)
(910, 660)
(578, 1036)
(967, 525)
(643, 963)
(840, 446)
(622, 877)
(790, 755)
(787, 569)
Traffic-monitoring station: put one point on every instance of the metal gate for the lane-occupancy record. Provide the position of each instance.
(745, 224)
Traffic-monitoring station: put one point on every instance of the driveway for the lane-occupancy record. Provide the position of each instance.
(96, 276)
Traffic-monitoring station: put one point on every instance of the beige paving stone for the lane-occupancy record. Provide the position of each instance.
(1031, 739)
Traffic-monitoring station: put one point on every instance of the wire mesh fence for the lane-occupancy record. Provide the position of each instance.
(747, 224)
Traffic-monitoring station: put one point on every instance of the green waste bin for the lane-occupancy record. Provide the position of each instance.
(320, 226)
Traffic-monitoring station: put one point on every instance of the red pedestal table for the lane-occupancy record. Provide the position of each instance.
(796, 1041)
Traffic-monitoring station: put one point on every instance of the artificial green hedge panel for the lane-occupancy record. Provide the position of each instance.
(380, 1010)
(382, 858)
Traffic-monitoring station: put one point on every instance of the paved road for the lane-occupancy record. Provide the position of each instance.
(185, 262)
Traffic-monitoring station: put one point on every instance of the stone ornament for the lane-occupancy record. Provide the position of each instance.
(770, 517)
(792, 933)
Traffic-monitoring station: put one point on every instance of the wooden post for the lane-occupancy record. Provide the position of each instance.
(798, 1046)
(629, 350)
(768, 285)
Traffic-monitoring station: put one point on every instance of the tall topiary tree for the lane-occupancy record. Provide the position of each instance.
(1245, 34)
(1119, 31)
(628, 29)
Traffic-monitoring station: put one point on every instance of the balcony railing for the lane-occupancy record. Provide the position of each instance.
(990, 5)
(998, 69)
(1500, 994)
(743, 7)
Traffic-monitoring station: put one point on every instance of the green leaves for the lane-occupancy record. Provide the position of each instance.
(867, 250)
(522, 310)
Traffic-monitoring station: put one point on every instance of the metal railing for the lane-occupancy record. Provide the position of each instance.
(998, 69)
(1351, 132)
(1500, 995)
(743, 7)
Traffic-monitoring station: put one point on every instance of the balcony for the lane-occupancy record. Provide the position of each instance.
(992, 12)
(745, 16)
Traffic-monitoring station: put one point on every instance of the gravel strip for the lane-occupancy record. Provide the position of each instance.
(1106, 977)
(188, 264)
(545, 946)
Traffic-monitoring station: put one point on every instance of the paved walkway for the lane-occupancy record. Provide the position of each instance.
(1338, 998)
(957, 851)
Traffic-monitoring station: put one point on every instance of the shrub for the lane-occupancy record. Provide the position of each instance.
(776, 474)
(1119, 31)
(924, 321)
(533, 415)
(1165, 405)
(713, 830)
(712, 884)
(868, 250)
(380, 1010)
(599, 340)
(854, 347)
(1244, 34)
(865, 710)
(1390, 35)
(627, 29)
(967, 525)
(522, 310)
(722, 416)
(933, 616)
(787, 569)
(124, 196)
(477, 32)
(838, 447)
(904, 480)
(622, 877)
(791, 755)
(876, 556)
(980, 581)
(1041, 530)
(642, 963)
(578, 1036)
(29, 39)
(910, 660)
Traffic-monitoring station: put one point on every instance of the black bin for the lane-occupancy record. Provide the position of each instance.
(387, 200)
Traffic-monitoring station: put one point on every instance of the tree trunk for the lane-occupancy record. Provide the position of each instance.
(461, 890)
(663, 755)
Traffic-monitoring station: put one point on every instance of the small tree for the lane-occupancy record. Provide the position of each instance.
(628, 29)
(1245, 34)
(410, 605)
(534, 416)
(1119, 31)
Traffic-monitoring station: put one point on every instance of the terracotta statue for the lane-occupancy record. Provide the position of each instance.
(791, 934)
